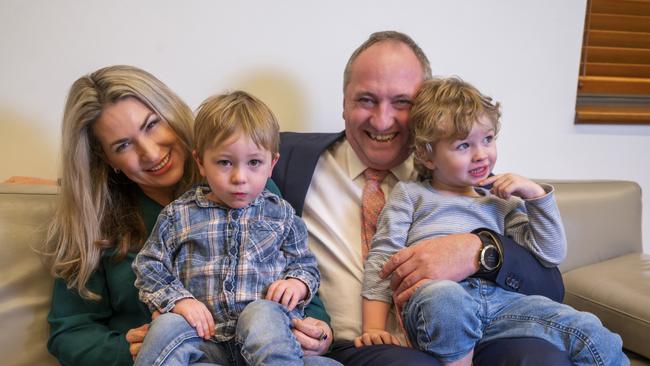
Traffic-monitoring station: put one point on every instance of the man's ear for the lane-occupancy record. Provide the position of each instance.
(199, 162)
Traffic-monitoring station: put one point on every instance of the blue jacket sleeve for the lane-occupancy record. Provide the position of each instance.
(522, 272)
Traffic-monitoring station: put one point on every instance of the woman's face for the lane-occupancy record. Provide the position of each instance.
(142, 146)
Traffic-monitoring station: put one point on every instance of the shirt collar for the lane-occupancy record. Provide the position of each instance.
(403, 172)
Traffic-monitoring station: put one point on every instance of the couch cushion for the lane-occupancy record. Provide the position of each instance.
(618, 292)
(25, 284)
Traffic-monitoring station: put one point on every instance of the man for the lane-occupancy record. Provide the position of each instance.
(322, 175)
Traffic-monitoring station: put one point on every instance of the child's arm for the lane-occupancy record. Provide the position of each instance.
(374, 325)
(158, 287)
(536, 223)
(301, 268)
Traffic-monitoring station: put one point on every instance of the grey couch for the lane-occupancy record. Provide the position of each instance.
(605, 273)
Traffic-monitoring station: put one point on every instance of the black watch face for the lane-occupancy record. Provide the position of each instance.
(490, 258)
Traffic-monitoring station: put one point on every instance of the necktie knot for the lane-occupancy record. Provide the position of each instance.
(375, 175)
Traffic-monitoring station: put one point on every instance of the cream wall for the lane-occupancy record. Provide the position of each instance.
(291, 54)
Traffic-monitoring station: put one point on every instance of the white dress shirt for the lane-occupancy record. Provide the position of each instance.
(332, 213)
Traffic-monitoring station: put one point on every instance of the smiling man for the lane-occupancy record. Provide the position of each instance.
(324, 177)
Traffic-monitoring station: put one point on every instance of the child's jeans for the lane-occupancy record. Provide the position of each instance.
(263, 336)
(449, 319)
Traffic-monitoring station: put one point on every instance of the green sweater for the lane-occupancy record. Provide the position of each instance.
(85, 332)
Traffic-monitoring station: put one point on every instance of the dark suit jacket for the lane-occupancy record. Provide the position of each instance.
(299, 153)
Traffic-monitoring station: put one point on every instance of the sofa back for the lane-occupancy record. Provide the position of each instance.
(602, 220)
(25, 283)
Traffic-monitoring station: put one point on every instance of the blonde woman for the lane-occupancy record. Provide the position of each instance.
(125, 149)
(125, 154)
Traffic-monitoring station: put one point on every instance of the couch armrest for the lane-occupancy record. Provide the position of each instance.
(25, 283)
(602, 219)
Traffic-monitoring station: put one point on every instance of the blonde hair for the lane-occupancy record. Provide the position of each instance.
(387, 36)
(446, 108)
(97, 208)
(221, 116)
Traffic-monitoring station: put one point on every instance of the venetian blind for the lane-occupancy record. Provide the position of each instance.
(614, 80)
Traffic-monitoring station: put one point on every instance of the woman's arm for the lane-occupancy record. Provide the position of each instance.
(85, 332)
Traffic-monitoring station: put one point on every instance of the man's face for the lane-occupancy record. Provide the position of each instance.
(376, 103)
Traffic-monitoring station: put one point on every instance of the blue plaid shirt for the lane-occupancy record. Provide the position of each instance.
(223, 257)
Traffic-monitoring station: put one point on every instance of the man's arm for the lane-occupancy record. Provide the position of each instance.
(452, 257)
(455, 257)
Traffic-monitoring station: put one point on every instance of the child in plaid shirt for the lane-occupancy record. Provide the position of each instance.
(230, 257)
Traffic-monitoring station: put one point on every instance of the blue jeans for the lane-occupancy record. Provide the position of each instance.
(263, 337)
(449, 319)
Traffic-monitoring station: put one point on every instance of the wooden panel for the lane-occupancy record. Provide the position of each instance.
(618, 39)
(615, 63)
(613, 55)
(604, 69)
(612, 114)
(619, 23)
(629, 7)
(613, 85)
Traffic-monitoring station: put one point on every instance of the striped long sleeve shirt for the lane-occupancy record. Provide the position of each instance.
(416, 211)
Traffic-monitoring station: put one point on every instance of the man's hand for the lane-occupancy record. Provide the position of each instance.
(452, 257)
(197, 315)
(314, 336)
(287, 292)
(375, 336)
(508, 184)
(135, 337)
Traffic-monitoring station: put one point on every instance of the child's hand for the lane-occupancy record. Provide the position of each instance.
(508, 184)
(287, 292)
(375, 336)
(197, 315)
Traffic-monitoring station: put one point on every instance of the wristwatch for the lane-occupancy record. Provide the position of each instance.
(490, 257)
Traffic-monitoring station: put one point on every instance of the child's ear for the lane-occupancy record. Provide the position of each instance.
(274, 160)
(199, 163)
(426, 158)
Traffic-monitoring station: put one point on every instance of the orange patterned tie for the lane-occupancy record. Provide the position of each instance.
(372, 201)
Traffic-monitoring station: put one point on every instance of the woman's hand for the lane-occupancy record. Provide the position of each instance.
(135, 337)
(314, 336)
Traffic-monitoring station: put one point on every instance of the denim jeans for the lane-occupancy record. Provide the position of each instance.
(263, 337)
(448, 319)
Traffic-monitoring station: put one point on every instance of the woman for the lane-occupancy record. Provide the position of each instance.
(126, 150)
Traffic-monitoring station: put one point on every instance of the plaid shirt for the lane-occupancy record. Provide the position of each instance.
(223, 257)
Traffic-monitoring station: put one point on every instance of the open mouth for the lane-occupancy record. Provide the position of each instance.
(162, 163)
(479, 172)
(382, 137)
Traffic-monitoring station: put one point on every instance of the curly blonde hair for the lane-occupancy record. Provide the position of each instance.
(446, 108)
